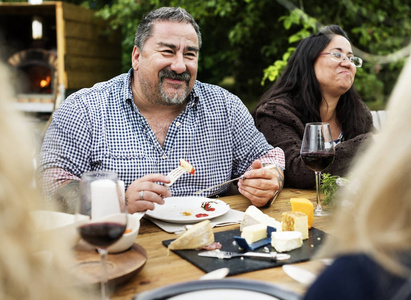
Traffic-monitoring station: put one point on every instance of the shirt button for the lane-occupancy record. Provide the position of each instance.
(164, 157)
(178, 124)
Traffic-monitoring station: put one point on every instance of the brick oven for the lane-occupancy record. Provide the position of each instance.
(35, 72)
(73, 50)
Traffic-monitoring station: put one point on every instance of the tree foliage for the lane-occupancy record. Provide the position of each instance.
(380, 32)
(247, 43)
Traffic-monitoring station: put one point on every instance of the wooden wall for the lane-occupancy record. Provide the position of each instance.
(92, 50)
(88, 51)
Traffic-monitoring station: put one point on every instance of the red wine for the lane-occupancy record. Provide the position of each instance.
(317, 161)
(102, 234)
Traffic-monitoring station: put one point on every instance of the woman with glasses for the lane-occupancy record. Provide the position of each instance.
(316, 86)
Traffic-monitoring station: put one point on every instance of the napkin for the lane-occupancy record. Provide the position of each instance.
(231, 217)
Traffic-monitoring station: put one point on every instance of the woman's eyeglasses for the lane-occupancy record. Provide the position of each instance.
(340, 57)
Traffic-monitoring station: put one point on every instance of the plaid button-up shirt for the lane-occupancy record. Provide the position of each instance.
(100, 128)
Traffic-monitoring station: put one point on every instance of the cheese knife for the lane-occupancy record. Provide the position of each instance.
(227, 255)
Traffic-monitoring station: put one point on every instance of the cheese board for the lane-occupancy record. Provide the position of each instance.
(238, 266)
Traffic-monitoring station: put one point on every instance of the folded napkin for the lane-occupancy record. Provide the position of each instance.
(231, 217)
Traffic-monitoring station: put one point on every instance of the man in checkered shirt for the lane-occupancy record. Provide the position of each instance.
(140, 124)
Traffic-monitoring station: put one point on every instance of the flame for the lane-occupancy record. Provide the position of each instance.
(45, 82)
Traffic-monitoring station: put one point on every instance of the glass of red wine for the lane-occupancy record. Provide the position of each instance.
(317, 152)
(102, 200)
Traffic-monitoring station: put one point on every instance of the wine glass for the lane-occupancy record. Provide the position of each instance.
(317, 152)
(101, 199)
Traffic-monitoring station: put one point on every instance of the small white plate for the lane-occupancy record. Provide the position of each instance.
(183, 210)
(298, 274)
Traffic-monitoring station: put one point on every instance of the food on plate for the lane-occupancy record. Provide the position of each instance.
(186, 165)
(197, 236)
(255, 216)
(305, 206)
(207, 205)
(295, 221)
(200, 215)
(186, 213)
(286, 240)
(254, 233)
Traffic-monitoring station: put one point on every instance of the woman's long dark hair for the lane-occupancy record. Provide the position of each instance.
(298, 84)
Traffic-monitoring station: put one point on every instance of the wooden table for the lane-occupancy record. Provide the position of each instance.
(164, 269)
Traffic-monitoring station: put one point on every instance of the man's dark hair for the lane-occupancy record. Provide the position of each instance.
(173, 14)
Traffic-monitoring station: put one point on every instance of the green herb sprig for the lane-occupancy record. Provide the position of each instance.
(329, 186)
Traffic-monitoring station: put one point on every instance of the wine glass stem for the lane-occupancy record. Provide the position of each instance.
(103, 259)
(318, 208)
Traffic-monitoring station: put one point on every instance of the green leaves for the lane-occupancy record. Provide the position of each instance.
(296, 17)
(251, 41)
(275, 70)
(329, 187)
(299, 18)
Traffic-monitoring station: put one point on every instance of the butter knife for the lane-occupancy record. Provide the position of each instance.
(271, 166)
(227, 255)
(224, 183)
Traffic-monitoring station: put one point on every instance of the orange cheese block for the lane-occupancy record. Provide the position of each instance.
(305, 206)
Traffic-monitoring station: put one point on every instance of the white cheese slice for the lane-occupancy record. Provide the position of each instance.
(286, 240)
(254, 216)
(254, 233)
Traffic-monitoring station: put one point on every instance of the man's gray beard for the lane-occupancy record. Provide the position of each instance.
(175, 100)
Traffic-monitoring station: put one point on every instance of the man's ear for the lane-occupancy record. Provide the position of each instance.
(135, 58)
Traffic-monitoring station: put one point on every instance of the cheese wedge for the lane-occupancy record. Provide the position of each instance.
(186, 165)
(305, 206)
(295, 221)
(254, 233)
(254, 216)
(286, 240)
(199, 235)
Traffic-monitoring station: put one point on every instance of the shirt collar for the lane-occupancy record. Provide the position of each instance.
(193, 98)
(128, 93)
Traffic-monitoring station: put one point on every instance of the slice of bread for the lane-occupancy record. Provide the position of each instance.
(199, 235)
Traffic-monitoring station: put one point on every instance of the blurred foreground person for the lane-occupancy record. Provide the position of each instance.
(371, 240)
(26, 272)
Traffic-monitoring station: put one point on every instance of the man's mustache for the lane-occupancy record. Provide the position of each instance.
(185, 76)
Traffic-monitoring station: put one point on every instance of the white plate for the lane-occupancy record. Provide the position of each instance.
(183, 210)
(298, 274)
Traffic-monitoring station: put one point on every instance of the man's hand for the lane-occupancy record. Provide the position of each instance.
(145, 191)
(260, 183)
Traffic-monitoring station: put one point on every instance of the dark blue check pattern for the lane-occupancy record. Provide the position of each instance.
(101, 128)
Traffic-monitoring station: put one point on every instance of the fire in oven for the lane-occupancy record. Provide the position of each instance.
(35, 71)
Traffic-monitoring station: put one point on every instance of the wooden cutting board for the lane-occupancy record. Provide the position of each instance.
(120, 266)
